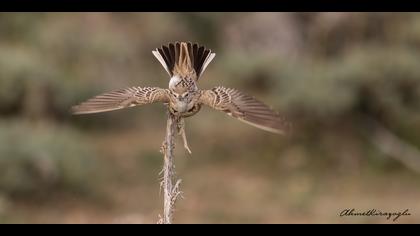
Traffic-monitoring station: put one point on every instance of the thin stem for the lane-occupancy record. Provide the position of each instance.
(170, 190)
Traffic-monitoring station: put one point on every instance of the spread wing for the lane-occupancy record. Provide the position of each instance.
(245, 108)
(123, 98)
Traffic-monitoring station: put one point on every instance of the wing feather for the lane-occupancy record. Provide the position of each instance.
(245, 108)
(119, 99)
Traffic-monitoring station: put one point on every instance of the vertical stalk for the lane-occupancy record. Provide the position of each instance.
(170, 190)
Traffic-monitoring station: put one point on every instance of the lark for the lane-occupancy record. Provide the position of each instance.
(185, 63)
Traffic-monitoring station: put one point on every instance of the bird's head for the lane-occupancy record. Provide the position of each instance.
(182, 89)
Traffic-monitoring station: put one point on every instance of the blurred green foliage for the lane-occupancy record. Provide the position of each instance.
(37, 159)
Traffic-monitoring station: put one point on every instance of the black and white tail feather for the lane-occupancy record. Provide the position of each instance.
(179, 54)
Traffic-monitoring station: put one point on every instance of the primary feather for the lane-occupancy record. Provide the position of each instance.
(245, 108)
(123, 98)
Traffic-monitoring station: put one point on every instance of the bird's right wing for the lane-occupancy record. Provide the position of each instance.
(123, 98)
(245, 108)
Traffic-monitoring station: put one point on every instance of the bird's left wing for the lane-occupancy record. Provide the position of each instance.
(245, 108)
(123, 98)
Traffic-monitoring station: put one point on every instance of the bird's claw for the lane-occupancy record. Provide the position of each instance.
(186, 147)
(181, 131)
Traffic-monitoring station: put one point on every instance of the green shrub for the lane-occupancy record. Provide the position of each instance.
(42, 158)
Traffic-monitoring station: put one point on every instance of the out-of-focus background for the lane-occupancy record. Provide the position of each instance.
(349, 82)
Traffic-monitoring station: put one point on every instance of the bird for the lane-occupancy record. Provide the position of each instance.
(185, 63)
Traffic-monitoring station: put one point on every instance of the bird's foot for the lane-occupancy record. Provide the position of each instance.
(181, 131)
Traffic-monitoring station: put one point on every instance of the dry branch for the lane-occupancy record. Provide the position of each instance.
(171, 191)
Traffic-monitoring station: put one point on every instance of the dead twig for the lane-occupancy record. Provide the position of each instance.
(171, 191)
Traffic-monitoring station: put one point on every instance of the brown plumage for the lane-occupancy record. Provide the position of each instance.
(185, 62)
(120, 99)
(245, 108)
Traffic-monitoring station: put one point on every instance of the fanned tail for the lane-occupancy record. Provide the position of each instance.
(179, 56)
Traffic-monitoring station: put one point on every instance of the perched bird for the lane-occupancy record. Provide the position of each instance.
(185, 63)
